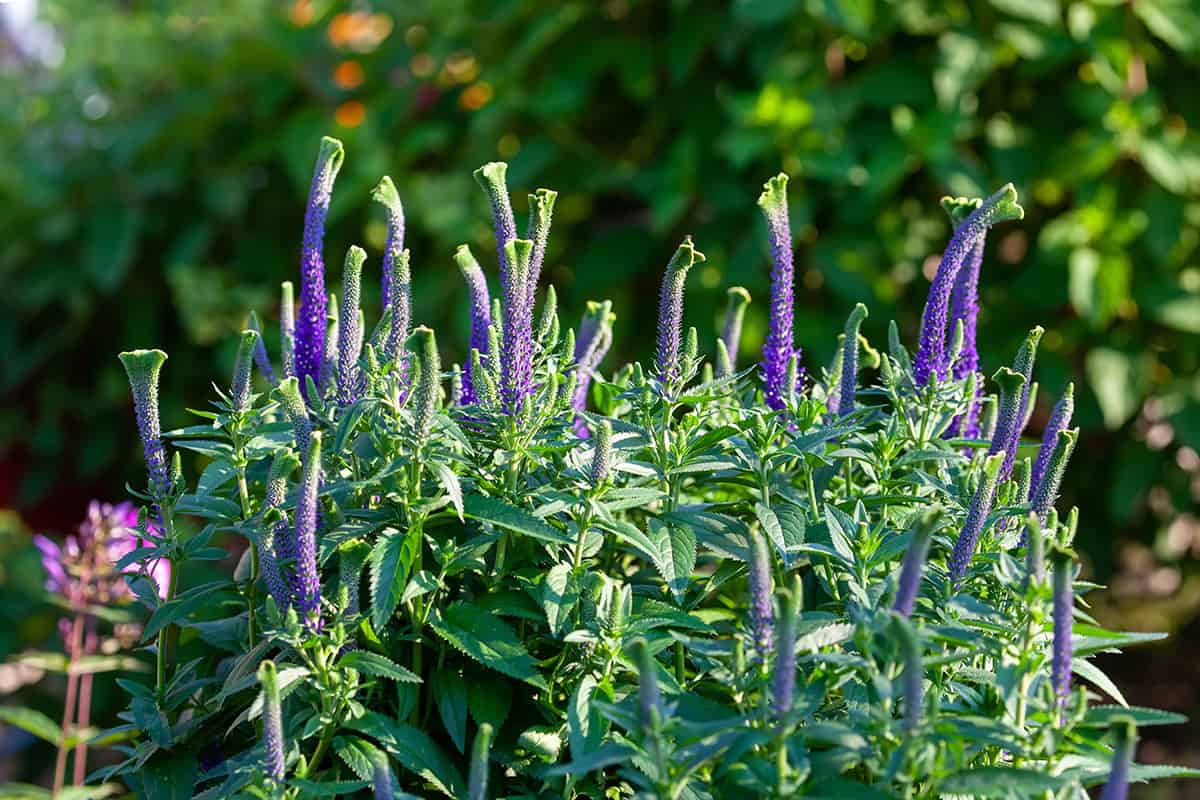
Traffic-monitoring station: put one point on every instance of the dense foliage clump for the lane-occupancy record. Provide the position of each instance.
(535, 574)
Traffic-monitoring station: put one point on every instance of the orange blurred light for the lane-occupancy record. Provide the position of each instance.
(422, 65)
(350, 114)
(301, 13)
(475, 96)
(358, 30)
(348, 75)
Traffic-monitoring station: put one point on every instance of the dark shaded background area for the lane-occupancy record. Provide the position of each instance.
(154, 159)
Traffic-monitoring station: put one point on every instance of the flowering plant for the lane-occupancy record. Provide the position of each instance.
(531, 574)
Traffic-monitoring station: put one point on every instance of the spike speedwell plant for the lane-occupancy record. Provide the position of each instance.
(532, 574)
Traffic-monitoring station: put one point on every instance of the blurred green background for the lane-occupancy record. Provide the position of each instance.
(155, 155)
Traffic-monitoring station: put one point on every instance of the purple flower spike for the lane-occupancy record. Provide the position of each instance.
(1008, 415)
(239, 392)
(350, 334)
(1060, 418)
(931, 358)
(481, 314)
(1024, 365)
(287, 329)
(1064, 606)
(1124, 731)
(981, 506)
(849, 377)
(964, 298)
(779, 347)
(783, 681)
(670, 310)
(914, 563)
(731, 331)
(595, 337)
(400, 312)
(308, 579)
(274, 765)
(541, 210)
(914, 672)
(328, 371)
(385, 194)
(1046, 491)
(277, 544)
(516, 349)
(310, 327)
(759, 583)
(143, 368)
(381, 776)
(261, 359)
(491, 177)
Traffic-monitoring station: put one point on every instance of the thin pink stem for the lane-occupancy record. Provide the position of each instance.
(73, 648)
(85, 702)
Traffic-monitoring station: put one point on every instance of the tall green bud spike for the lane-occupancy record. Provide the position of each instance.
(274, 764)
(1047, 491)
(731, 332)
(296, 411)
(239, 391)
(1035, 552)
(649, 699)
(428, 376)
(350, 334)
(914, 671)
(143, 368)
(541, 210)
(477, 782)
(548, 322)
(602, 455)
(260, 350)
(849, 376)
(287, 329)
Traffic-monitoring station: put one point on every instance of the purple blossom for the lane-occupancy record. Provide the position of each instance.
(261, 359)
(386, 195)
(491, 178)
(964, 308)
(350, 335)
(1046, 491)
(977, 513)
(541, 210)
(731, 331)
(287, 330)
(849, 377)
(310, 327)
(277, 543)
(670, 311)
(308, 579)
(779, 347)
(1124, 731)
(239, 392)
(931, 358)
(516, 349)
(1064, 605)
(481, 315)
(591, 345)
(143, 368)
(783, 683)
(274, 764)
(909, 584)
(759, 584)
(1060, 418)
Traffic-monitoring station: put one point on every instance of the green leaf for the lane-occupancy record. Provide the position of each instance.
(1102, 716)
(560, 593)
(489, 699)
(1118, 381)
(450, 693)
(502, 515)
(414, 750)
(1090, 672)
(1001, 782)
(357, 754)
(327, 788)
(391, 559)
(31, 721)
(487, 639)
(450, 483)
(676, 547)
(181, 607)
(369, 663)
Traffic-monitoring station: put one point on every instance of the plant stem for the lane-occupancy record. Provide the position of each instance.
(85, 703)
(251, 586)
(73, 648)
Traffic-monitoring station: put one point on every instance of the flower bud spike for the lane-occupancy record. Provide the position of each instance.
(793, 374)
(1035, 550)
(477, 783)
(780, 344)
(1012, 387)
(724, 363)
(143, 368)
(956, 341)
(897, 350)
(833, 382)
(308, 579)
(428, 375)
(495, 333)
(516, 349)
(977, 513)
(456, 382)
(261, 359)
(1027, 411)
(541, 211)
(849, 376)
(931, 358)
(670, 311)
(783, 681)
(759, 585)
(1060, 418)
(287, 329)
(381, 776)
(239, 390)
(328, 371)
(1124, 734)
(1069, 527)
(731, 332)
(480, 310)
(602, 453)
(311, 321)
(491, 178)
(400, 308)
(272, 715)
(988, 415)
(964, 302)
(549, 318)
(351, 557)
(296, 411)
(691, 348)
(649, 700)
(1063, 564)
(909, 584)
(914, 672)
(1046, 492)
(1013, 418)
(350, 335)
(386, 195)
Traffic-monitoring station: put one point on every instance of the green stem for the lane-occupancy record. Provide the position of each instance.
(251, 587)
